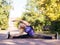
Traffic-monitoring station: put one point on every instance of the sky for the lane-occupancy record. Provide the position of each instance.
(19, 8)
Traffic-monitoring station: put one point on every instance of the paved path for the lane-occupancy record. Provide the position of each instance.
(4, 41)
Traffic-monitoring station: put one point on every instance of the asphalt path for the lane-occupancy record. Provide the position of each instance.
(4, 41)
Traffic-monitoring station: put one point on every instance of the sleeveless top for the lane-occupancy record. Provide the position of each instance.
(29, 30)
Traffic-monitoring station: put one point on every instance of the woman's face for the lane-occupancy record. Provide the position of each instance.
(22, 25)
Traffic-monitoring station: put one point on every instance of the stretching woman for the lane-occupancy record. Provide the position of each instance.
(24, 27)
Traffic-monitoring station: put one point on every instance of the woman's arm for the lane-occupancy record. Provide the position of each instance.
(15, 21)
(25, 22)
(21, 30)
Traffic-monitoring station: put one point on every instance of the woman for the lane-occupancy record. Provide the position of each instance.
(24, 26)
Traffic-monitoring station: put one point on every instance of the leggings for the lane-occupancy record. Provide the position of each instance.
(23, 36)
(35, 36)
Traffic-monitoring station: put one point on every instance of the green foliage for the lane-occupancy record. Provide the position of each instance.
(36, 20)
(4, 13)
(51, 9)
(42, 13)
(34, 16)
(55, 26)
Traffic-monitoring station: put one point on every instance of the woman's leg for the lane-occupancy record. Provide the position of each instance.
(22, 36)
(42, 36)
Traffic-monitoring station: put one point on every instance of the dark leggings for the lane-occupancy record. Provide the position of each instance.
(35, 36)
(22, 36)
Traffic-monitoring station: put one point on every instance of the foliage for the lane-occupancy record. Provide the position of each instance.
(51, 9)
(4, 13)
(43, 13)
(34, 16)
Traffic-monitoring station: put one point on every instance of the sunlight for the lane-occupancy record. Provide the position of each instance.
(11, 43)
(18, 9)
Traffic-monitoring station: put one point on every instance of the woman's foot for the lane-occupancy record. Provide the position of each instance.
(8, 35)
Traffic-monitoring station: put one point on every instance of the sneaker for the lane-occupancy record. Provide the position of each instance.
(8, 35)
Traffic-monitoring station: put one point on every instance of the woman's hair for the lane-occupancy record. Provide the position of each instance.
(24, 23)
(20, 23)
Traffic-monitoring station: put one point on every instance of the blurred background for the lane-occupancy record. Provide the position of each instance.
(43, 15)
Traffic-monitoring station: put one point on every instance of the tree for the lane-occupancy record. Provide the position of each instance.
(34, 16)
(4, 13)
(51, 9)
(41, 13)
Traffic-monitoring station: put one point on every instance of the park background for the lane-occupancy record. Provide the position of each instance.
(43, 15)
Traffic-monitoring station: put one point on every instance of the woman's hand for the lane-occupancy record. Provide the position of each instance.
(25, 22)
(15, 20)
